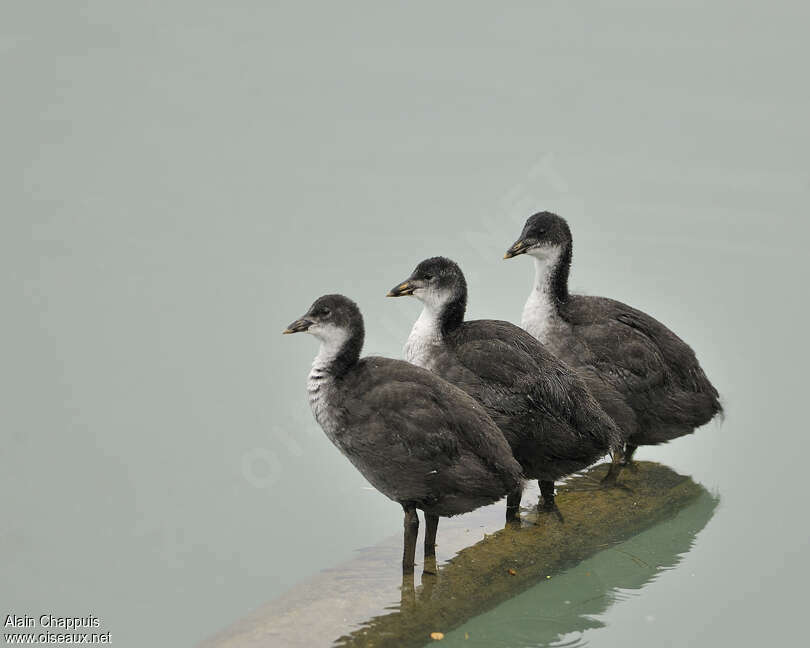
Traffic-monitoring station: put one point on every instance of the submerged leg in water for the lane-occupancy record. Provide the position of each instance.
(411, 530)
(548, 505)
(513, 505)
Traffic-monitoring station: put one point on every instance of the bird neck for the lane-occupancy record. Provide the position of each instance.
(445, 316)
(434, 322)
(551, 275)
(450, 314)
(338, 354)
(550, 290)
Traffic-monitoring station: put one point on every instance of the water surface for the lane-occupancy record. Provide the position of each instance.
(181, 179)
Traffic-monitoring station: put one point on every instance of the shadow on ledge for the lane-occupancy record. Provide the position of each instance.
(363, 603)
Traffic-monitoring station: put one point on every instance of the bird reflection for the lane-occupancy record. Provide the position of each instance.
(533, 584)
(564, 604)
(429, 578)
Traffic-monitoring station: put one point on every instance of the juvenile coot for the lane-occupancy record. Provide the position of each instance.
(555, 427)
(417, 439)
(643, 375)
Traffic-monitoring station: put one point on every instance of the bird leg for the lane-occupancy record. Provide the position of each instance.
(411, 528)
(616, 465)
(431, 524)
(629, 450)
(407, 591)
(548, 504)
(513, 505)
(430, 576)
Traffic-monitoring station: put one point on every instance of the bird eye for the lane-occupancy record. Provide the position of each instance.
(325, 312)
(428, 277)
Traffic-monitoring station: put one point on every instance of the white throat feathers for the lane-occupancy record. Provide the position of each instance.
(426, 333)
(539, 312)
(321, 381)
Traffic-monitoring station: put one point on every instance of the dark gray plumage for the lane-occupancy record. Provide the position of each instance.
(554, 426)
(416, 438)
(644, 375)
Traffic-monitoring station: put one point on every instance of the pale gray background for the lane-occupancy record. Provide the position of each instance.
(179, 180)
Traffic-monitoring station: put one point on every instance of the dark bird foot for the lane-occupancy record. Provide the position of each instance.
(552, 508)
(630, 465)
(610, 481)
(614, 470)
(513, 515)
(430, 568)
(513, 521)
(513, 507)
(547, 503)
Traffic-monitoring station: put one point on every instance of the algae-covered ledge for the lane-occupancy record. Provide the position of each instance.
(499, 566)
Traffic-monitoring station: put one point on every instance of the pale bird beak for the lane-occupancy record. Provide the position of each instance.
(518, 248)
(298, 326)
(400, 290)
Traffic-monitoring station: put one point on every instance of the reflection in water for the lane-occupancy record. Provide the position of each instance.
(571, 570)
(528, 586)
(556, 613)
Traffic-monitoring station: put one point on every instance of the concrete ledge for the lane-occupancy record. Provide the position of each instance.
(364, 602)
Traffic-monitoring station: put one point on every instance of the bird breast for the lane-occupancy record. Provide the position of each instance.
(538, 314)
(321, 387)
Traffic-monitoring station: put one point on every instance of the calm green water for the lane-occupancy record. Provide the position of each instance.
(181, 179)
(570, 609)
